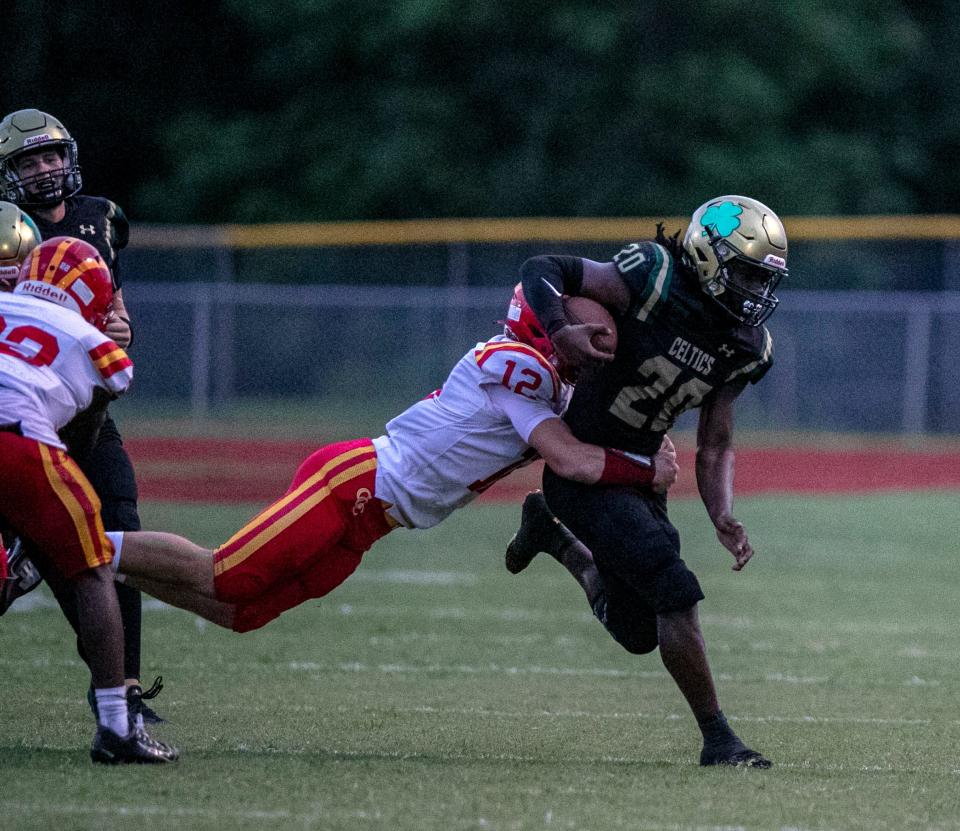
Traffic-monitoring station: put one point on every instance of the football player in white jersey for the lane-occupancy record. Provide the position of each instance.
(58, 371)
(498, 410)
(18, 237)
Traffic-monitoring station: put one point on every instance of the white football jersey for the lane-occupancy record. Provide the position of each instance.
(51, 360)
(444, 450)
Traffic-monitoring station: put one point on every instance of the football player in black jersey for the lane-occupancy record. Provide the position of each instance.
(690, 321)
(39, 172)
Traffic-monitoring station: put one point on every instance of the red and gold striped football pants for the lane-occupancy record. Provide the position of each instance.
(306, 543)
(46, 499)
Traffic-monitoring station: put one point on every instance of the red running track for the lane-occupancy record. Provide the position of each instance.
(211, 470)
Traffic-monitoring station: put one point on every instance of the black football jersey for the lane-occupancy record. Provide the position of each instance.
(675, 347)
(95, 220)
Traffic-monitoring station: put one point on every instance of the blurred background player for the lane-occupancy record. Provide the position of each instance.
(18, 237)
(58, 371)
(498, 410)
(40, 173)
(690, 322)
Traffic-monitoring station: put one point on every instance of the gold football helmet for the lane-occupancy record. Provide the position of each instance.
(27, 131)
(738, 247)
(18, 237)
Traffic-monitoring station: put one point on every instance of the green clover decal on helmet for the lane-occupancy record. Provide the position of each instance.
(724, 218)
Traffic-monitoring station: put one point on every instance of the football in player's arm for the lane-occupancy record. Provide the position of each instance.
(690, 321)
(498, 408)
(57, 373)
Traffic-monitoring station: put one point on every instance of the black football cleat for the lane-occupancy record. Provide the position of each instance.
(22, 576)
(135, 706)
(136, 696)
(136, 749)
(734, 754)
(539, 531)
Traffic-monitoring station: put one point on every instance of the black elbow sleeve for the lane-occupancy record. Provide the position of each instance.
(545, 280)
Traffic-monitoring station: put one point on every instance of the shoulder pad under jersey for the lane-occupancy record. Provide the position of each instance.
(519, 368)
(119, 227)
(647, 269)
(754, 370)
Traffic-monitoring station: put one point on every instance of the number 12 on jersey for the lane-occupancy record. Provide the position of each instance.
(536, 379)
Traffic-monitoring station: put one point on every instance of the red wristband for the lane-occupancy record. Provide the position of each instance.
(620, 468)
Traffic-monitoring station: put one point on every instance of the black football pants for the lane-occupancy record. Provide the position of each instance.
(636, 550)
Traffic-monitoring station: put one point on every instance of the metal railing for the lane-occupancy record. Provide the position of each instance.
(880, 252)
(850, 361)
(383, 309)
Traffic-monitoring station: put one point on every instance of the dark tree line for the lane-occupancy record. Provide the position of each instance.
(240, 110)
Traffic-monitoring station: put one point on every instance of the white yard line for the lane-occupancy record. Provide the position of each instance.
(433, 756)
(419, 578)
(483, 713)
(480, 712)
(42, 601)
(11, 807)
(38, 601)
(489, 670)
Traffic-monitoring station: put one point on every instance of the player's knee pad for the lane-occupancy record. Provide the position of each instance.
(239, 588)
(250, 616)
(675, 588)
(635, 633)
(636, 641)
(259, 612)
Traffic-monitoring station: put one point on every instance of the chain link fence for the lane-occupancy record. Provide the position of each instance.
(845, 361)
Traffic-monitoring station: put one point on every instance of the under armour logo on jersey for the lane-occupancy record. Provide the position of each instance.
(88, 229)
(363, 497)
(725, 350)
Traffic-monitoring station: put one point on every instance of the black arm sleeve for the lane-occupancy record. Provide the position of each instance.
(545, 280)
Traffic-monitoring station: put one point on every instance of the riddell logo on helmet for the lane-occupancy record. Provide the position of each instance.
(37, 139)
(46, 291)
(774, 260)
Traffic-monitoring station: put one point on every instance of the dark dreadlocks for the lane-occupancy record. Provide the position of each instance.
(671, 243)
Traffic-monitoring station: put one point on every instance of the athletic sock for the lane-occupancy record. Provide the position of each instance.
(112, 709)
(716, 730)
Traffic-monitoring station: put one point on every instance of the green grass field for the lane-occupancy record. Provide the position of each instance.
(433, 690)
